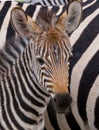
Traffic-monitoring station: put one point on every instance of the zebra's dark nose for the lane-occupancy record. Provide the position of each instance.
(62, 102)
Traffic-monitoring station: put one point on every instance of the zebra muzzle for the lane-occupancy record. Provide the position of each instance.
(61, 102)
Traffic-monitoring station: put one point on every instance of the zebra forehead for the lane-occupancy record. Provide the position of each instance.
(49, 15)
(53, 37)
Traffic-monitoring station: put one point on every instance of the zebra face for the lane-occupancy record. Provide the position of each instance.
(51, 53)
(51, 49)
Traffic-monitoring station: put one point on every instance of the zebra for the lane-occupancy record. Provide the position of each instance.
(45, 2)
(34, 66)
(88, 30)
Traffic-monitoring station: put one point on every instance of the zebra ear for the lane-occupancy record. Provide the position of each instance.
(69, 21)
(74, 16)
(23, 24)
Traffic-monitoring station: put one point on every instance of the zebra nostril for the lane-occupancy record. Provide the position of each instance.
(55, 100)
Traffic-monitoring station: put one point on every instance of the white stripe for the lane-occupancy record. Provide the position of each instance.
(57, 2)
(37, 1)
(60, 10)
(77, 74)
(91, 102)
(36, 12)
(90, 4)
(24, 7)
(62, 122)
(47, 3)
(1, 5)
(77, 33)
(85, 1)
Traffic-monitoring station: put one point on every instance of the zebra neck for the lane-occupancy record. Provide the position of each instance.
(17, 55)
(15, 49)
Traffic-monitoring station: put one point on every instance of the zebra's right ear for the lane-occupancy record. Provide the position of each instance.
(70, 20)
(23, 24)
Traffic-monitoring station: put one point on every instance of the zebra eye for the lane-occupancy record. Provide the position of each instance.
(41, 61)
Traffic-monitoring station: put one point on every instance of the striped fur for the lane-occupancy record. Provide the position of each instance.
(84, 79)
(24, 94)
(86, 50)
(46, 2)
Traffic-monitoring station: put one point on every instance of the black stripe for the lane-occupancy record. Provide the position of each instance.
(44, 2)
(43, 13)
(72, 122)
(55, 8)
(84, 41)
(30, 10)
(10, 32)
(59, 2)
(49, 2)
(52, 116)
(96, 122)
(89, 75)
(4, 11)
(45, 128)
(20, 4)
(65, 1)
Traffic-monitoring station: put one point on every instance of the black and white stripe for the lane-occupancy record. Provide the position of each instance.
(22, 99)
(84, 80)
(6, 30)
(84, 72)
(46, 2)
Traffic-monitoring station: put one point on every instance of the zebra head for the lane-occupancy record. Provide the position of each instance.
(51, 48)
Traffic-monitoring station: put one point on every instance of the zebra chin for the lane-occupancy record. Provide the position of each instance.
(61, 102)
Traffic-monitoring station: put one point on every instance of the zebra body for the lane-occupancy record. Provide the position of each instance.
(56, 121)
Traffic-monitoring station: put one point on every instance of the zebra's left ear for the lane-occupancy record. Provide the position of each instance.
(74, 16)
(23, 24)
